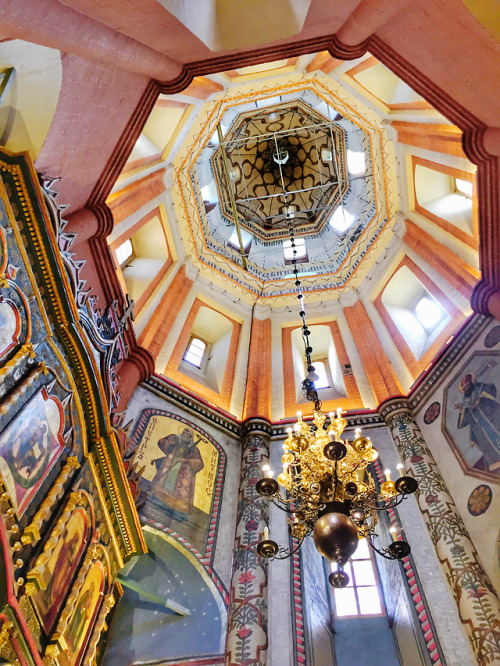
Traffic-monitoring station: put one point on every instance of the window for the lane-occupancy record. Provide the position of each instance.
(356, 162)
(321, 370)
(429, 313)
(362, 596)
(124, 252)
(463, 187)
(418, 316)
(341, 219)
(195, 352)
(300, 250)
(245, 237)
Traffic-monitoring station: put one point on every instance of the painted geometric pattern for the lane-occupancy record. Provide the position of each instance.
(247, 624)
(478, 605)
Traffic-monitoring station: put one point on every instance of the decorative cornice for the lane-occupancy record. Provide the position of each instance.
(175, 394)
(393, 406)
(257, 425)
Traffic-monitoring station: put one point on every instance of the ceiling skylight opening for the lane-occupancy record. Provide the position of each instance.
(124, 252)
(429, 313)
(356, 162)
(300, 250)
(268, 101)
(341, 219)
(463, 187)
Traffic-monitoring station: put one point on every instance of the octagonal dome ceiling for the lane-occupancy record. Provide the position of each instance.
(300, 152)
(284, 160)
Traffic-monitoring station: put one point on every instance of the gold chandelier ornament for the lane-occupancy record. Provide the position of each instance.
(326, 487)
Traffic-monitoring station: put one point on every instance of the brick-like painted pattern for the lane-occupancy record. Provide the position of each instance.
(455, 270)
(202, 87)
(379, 371)
(247, 639)
(323, 61)
(417, 366)
(222, 399)
(135, 196)
(478, 605)
(159, 326)
(437, 138)
(258, 389)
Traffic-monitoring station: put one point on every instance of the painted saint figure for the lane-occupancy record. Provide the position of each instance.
(174, 481)
(480, 410)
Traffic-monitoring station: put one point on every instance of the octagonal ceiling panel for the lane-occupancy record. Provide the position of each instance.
(283, 160)
(343, 207)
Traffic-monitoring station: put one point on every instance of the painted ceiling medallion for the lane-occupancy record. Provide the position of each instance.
(284, 160)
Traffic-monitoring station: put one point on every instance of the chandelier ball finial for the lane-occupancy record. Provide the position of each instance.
(336, 537)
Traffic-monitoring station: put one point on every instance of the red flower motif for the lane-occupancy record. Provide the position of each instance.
(416, 459)
(252, 481)
(431, 499)
(477, 594)
(244, 632)
(246, 577)
(251, 525)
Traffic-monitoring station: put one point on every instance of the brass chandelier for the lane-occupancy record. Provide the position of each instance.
(327, 488)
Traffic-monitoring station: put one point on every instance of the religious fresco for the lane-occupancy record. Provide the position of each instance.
(179, 467)
(81, 620)
(29, 447)
(471, 416)
(60, 568)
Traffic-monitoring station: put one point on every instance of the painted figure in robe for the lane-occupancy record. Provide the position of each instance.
(174, 481)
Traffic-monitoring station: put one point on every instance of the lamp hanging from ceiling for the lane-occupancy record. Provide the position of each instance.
(328, 489)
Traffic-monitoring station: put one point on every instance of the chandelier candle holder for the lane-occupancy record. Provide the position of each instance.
(325, 487)
(330, 494)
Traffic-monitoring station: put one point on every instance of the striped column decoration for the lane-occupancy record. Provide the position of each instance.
(478, 605)
(247, 640)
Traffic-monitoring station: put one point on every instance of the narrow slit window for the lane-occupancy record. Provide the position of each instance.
(195, 352)
(362, 596)
(124, 252)
(323, 382)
